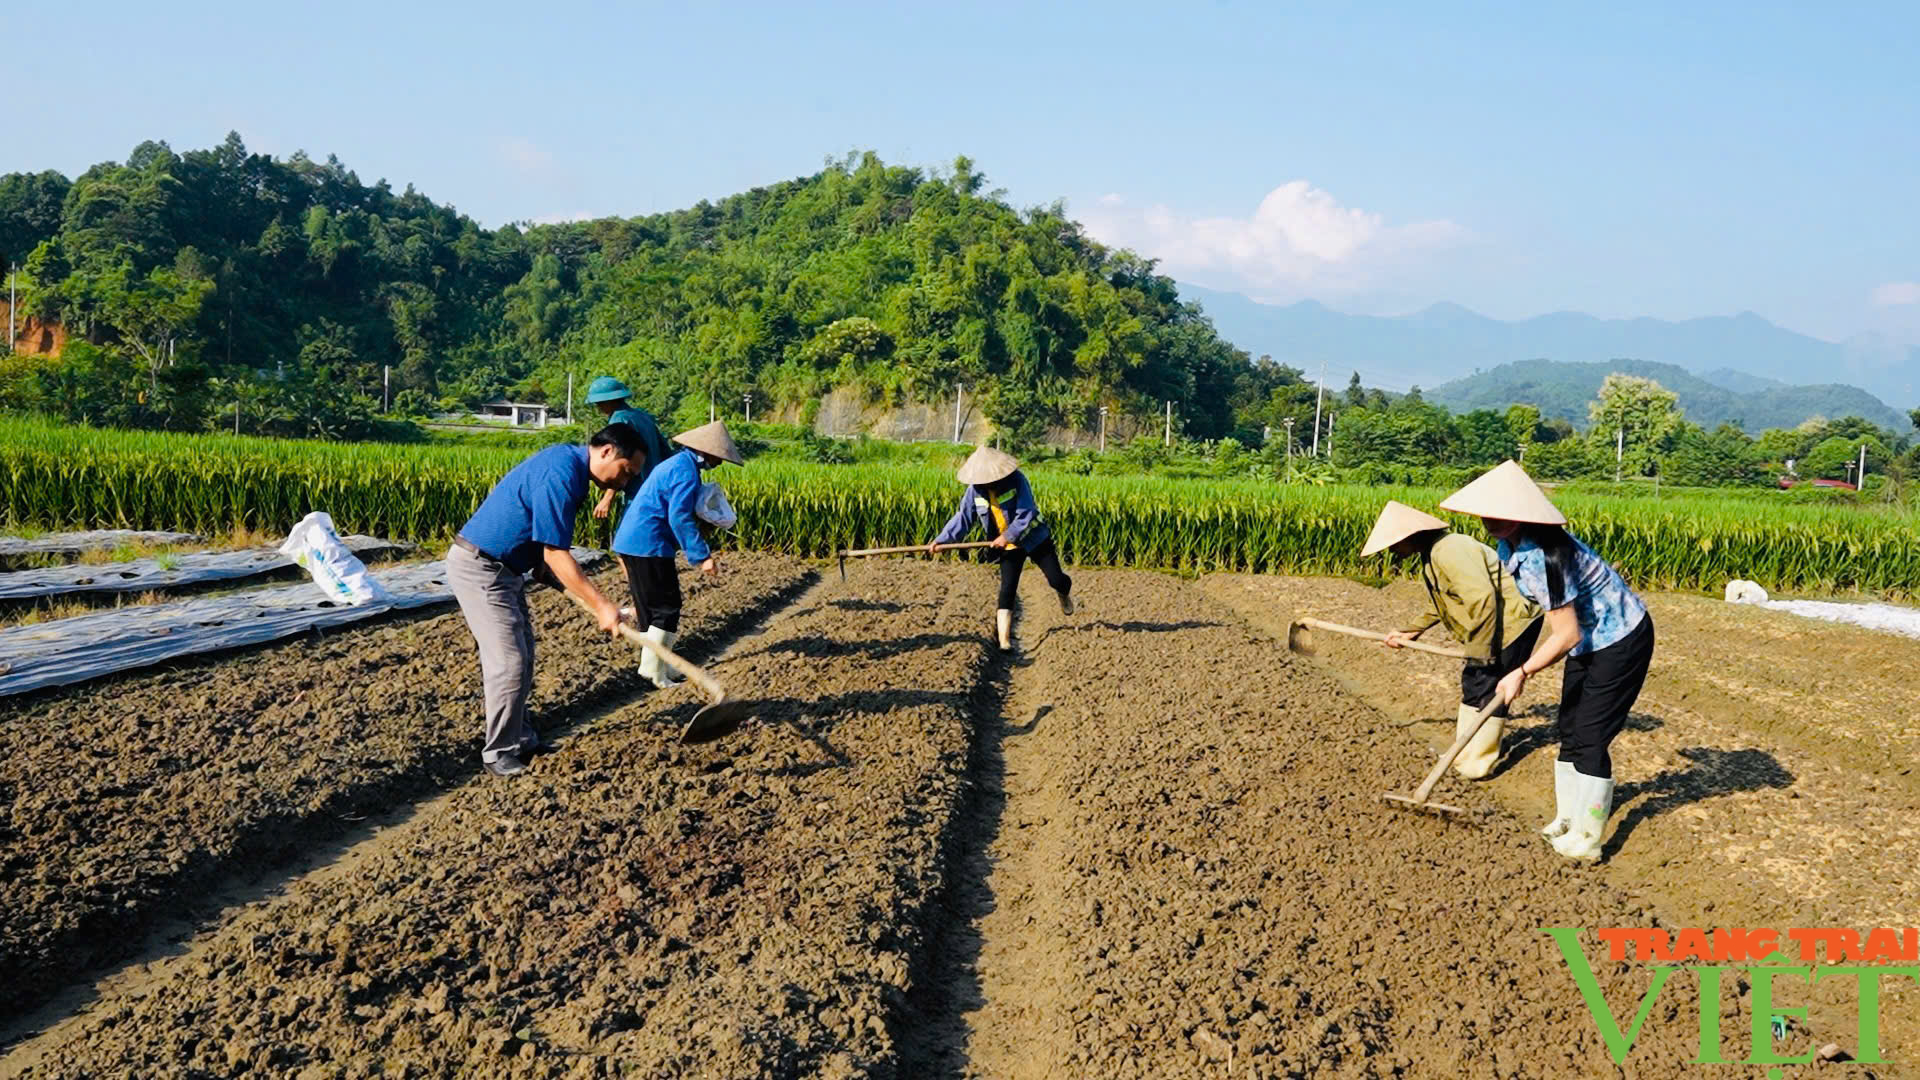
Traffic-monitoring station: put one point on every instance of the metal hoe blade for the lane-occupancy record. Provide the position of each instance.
(714, 721)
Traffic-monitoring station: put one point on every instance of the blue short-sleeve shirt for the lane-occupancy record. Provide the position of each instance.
(660, 520)
(531, 508)
(1606, 608)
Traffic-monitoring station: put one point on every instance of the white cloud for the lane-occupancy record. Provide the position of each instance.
(1298, 241)
(1896, 294)
(523, 155)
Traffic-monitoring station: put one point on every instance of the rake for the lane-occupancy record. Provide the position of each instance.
(913, 548)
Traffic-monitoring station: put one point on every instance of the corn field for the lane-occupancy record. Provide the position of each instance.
(62, 477)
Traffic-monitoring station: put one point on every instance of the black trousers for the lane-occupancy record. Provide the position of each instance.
(1478, 681)
(1014, 559)
(1596, 694)
(654, 582)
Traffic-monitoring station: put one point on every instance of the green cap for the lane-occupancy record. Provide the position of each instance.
(607, 388)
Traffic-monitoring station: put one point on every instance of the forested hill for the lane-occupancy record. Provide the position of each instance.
(190, 281)
(1566, 390)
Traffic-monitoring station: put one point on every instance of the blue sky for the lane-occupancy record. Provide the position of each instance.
(1672, 160)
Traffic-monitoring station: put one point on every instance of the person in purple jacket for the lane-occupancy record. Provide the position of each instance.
(660, 523)
(1000, 501)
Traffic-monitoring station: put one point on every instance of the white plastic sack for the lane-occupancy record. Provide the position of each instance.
(339, 573)
(713, 508)
(1745, 592)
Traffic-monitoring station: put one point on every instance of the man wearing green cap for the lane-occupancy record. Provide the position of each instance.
(610, 395)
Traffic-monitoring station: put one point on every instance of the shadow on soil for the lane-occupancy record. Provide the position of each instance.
(927, 1026)
(273, 851)
(1521, 742)
(1712, 773)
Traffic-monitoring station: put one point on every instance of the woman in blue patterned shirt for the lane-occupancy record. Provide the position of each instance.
(1594, 621)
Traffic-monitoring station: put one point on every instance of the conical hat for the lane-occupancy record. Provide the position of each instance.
(713, 441)
(986, 465)
(1505, 492)
(1397, 522)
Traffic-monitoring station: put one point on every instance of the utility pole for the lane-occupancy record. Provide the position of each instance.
(1103, 429)
(1167, 439)
(959, 392)
(748, 398)
(236, 416)
(709, 404)
(1289, 423)
(569, 398)
(1317, 399)
(1862, 474)
(13, 271)
(1619, 450)
(386, 388)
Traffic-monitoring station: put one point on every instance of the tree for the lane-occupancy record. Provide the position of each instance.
(1645, 411)
(30, 208)
(1914, 415)
(1523, 425)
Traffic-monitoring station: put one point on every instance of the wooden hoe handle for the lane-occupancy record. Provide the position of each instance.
(1466, 736)
(672, 659)
(915, 547)
(1373, 635)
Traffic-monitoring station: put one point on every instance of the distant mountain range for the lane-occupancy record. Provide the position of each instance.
(1564, 390)
(1742, 353)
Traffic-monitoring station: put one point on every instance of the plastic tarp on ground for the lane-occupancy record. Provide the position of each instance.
(74, 544)
(1898, 620)
(90, 646)
(164, 572)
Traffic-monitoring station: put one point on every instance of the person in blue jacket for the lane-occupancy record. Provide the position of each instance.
(999, 500)
(660, 523)
(609, 395)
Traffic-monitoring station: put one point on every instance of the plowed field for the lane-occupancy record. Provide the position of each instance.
(1147, 843)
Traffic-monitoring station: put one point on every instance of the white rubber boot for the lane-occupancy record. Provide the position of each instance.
(665, 676)
(1478, 757)
(1582, 838)
(1003, 624)
(1564, 792)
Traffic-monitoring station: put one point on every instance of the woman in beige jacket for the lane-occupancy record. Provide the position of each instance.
(1474, 597)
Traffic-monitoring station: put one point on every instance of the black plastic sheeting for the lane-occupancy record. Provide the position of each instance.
(67, 651)
(164, 571)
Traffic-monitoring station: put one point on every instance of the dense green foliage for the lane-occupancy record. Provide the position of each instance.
(71, 477)
(230, 291)
(222, 276)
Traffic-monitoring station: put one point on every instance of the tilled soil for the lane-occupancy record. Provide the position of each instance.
(1152, 844)
(1767, 777)
(1194, 871)
(123, 801)
(626, 907)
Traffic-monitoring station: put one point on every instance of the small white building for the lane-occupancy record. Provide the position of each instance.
(517, 413)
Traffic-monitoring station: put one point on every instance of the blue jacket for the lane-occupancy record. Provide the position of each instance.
(660, 520)
(1024, 524)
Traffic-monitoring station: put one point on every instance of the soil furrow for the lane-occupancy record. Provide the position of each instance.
(627, 907)
(127, 804)
(1195, 873)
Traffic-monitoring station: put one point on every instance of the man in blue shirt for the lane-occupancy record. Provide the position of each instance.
(526, 524)
(660, 522)
(610, 395)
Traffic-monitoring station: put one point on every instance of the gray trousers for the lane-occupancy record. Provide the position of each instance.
(494, 600)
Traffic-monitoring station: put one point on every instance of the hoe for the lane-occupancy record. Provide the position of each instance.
(1418, 800)
(720, 716)
(1298, 640)
(845, 555)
